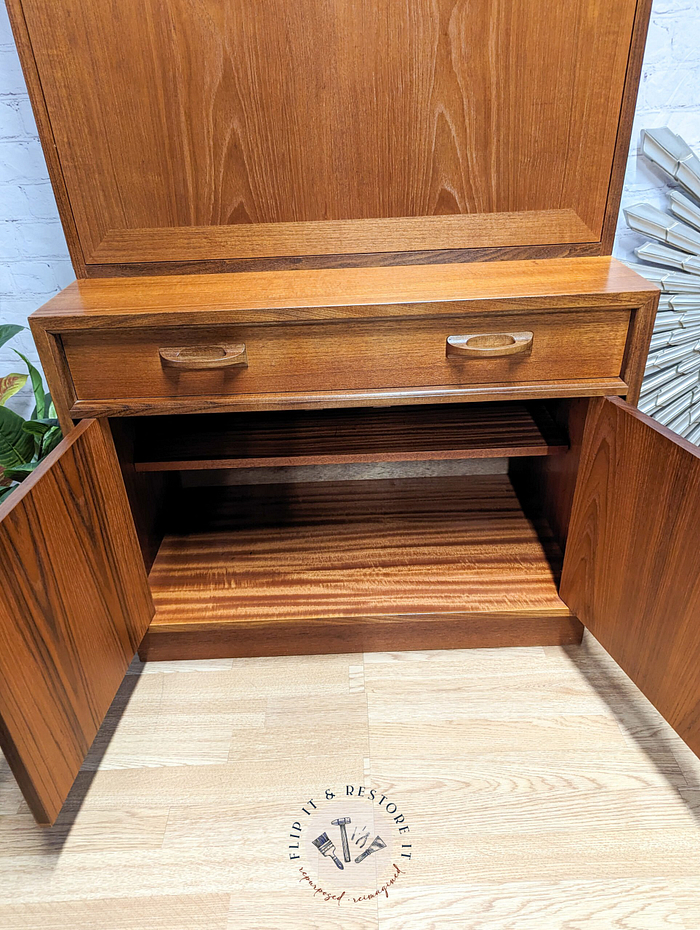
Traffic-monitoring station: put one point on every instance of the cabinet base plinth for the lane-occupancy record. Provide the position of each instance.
(219, 640)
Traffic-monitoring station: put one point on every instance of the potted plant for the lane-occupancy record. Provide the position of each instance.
(23, 443)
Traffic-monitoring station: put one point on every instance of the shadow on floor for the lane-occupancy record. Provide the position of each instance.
(52, 839)
(637, 717)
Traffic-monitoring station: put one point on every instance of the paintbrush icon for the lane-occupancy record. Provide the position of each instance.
(325, 846)
(376, 844)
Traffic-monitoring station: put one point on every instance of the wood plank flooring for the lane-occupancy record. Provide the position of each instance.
(543, 793)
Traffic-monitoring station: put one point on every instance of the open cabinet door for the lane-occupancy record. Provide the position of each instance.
(74, 605)
(632, 565)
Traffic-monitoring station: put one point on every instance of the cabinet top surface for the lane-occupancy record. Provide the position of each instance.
(600, 277)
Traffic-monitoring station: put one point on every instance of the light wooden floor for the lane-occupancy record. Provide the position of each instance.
(543, 793)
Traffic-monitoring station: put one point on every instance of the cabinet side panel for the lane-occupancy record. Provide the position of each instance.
(149, 493)
(57, 372)
(624, 129)
(637, 349)
(48, 142)
(547, 487)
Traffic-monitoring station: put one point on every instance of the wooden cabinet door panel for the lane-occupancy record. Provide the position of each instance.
(632, 566)
(74, 605)
(191, 130)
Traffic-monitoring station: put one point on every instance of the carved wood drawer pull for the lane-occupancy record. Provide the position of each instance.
(197, 358)
(488, 345)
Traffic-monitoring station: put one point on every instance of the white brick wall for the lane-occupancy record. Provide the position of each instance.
(669, 95)
(34, 261)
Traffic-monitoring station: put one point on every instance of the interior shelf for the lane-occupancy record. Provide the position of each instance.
(323, 437)
(355, 565)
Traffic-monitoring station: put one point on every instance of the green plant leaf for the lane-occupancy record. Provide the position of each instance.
(10, 384)
(16, 446)
(38, 385)
(21, 471)
(39, 427)
(51, 440)
(7, 331)
(4, 492)
(50, 409)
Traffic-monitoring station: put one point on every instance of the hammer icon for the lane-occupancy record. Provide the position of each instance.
(341, 822)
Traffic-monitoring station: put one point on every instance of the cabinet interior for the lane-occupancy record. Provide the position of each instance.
(282, 558)
(321, 437)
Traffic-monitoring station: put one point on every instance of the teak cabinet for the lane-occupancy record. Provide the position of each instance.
(106, 549)
(319, 233)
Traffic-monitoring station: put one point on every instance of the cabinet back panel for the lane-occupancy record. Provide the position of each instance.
(192, 129)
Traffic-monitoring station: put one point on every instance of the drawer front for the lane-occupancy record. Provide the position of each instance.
(347, 355)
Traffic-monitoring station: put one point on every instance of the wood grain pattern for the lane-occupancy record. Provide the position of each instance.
(337, 635)
(597, 283)
(425, 394)
(149, 493)
(625, 123)
(56, 372)
(74, 605)
(258, 117)
(637, 349)
(489, 345)
(548, 489)
(349, 260)
(518, 763)
(405, 296)
(46, 135)
(364, 355)
(194, 358)
(542, 764)
(338, 237)
(631, 571)
(338, 567)
(400, 434)
(155, 912)
(358, 294)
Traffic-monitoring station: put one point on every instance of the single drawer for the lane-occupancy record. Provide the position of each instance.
(348, 355)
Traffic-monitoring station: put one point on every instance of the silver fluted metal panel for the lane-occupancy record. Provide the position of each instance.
(671, 282)
(684, 209)
(671, 388)
(646, 219)
(685, 302)
(672, 258)
(674, 156)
